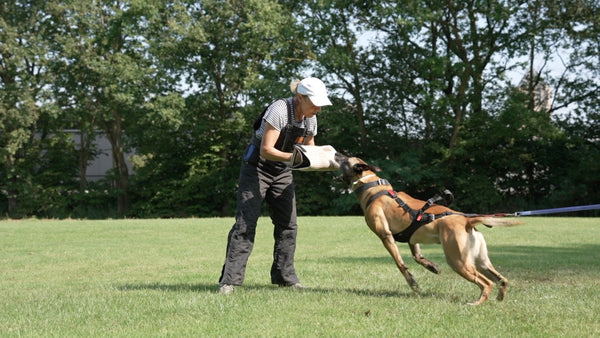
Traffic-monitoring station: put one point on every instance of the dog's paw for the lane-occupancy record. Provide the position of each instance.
(433, 268)
(414, 286)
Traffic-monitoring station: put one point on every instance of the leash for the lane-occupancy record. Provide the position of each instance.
(552, 211)
(537, 212)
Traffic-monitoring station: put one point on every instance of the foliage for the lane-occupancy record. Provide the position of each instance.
(233, 67)
(438, 94)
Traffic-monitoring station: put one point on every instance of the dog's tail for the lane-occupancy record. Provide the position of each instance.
(492, 221)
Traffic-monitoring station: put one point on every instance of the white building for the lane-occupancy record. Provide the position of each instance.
(99, 166)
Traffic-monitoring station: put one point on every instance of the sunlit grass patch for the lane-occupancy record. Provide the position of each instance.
(159, 278)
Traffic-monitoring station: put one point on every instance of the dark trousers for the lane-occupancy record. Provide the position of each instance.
(256, 185)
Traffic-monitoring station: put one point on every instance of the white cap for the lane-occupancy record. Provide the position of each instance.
(315, 90)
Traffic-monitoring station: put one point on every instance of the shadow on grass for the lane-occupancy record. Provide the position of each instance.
(561, 256)
(213, 288)
(183, 287)
(527, 262)
(586, 255)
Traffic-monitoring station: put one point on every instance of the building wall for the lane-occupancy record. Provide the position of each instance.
(102, 163)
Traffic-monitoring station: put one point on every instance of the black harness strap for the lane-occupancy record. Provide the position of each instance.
(418, 217)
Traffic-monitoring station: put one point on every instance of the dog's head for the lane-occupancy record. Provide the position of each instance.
(353, 168)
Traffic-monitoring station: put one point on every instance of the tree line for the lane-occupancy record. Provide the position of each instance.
(495, 100)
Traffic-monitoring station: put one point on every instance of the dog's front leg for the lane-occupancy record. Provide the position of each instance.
(390, 245)
(379, 225)
(415, 249)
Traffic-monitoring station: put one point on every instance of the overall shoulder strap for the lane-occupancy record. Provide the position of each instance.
(290, 109)
(259, 119)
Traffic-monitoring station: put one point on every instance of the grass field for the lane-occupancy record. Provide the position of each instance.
(140, 278)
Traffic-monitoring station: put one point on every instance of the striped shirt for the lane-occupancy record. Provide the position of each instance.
(277, 116)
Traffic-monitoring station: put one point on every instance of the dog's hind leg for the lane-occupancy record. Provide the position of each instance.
(497, 278)
(415, 249)
(458, 248)
(484, 265)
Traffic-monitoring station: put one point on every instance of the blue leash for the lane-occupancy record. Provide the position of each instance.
(557, 210)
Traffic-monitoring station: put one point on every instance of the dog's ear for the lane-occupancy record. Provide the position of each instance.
(360, 167)
(374, 168)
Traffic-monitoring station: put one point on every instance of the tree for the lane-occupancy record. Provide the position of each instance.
(234, 58)
(23, 79)
(334, 28)
(105, 73)
(449, 52)
(422, 89)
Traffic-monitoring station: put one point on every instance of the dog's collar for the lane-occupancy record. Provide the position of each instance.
(360, 180)
(369, 185)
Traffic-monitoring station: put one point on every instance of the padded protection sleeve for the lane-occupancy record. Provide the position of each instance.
(314, 158)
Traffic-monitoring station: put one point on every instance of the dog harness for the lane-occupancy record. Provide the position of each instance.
(419, 217)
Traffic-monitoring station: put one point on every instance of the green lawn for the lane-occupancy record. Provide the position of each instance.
(139, 278)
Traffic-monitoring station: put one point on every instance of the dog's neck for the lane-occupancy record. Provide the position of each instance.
(360, 180)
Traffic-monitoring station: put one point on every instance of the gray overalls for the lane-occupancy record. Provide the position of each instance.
(271, 181)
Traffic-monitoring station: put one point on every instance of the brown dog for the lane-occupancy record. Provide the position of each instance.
(464, 246)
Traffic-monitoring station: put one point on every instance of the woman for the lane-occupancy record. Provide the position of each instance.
(269, 177)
